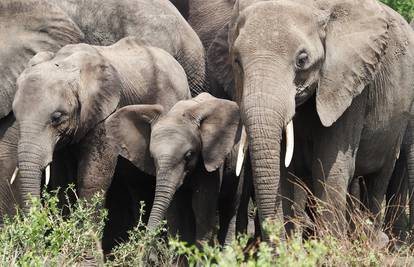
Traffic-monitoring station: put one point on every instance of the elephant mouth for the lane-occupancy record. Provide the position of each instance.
(303, 93)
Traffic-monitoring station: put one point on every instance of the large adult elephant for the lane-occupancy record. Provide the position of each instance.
(63, 99)
(341, 71)
(27, 27)
(155, 22)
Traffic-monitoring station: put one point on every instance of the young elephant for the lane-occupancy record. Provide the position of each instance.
(191, 140)
(63, 98)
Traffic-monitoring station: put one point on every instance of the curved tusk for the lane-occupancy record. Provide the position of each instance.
(289, 143)
(241, 153)
(16, 171)
(47, 174)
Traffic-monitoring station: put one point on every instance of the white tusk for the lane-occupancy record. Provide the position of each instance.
(289, 143)
(240, 154)
(16, 171)
(47, 174)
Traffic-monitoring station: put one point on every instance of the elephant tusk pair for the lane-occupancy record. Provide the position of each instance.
(47, 174)
(290, 143)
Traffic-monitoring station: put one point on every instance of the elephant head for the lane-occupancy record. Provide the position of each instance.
(170, 144)
(277, 54)
(59, 99)
(29, 27)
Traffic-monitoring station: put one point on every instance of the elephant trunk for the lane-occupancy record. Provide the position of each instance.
(267, 106)
(32, 159)
(164, 193)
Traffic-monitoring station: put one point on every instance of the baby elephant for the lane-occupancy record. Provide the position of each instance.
(191, 140)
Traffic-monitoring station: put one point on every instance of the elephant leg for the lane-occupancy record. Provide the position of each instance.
(180, 216)
(229, 202)
(96, 163)
(395, 221)
(333, 164)
(377, 184)
(205, 195)
(408, 149)
(242, 221)
(62, 173)
(9, 196)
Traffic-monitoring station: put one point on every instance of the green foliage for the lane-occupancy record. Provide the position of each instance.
(404, 7)
(45, 237)
(144, 248)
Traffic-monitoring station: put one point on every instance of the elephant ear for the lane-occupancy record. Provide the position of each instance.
(32, 26)
(219, 63)
(130, 130)
(219, 121)
(355, 42)
(99, 91)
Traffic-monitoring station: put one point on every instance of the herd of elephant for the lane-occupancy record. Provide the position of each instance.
(196, 107)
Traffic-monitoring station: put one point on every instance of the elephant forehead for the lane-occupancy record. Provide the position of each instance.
(285, 25)
(176, 129)
(173, 139)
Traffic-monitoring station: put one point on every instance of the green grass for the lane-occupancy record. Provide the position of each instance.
(46, 237)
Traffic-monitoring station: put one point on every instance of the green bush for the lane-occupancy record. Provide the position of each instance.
(404, 7)
(46, 237)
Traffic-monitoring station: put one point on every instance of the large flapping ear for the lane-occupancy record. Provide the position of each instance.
(33, 26)
(99, 91)
(219, 120)
(130, 130)
(355, 42)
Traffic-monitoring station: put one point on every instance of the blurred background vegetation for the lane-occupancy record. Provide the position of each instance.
(404, 7)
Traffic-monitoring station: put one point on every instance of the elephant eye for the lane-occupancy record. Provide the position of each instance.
(188, 156)
(237, 62)
(56, 117)
(301, 60)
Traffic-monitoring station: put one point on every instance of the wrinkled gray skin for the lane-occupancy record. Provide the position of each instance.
(207, 18)
(28, 27)
(63, 99)
(191, 140)
(348, 95)
(155, 22)
(9, 194)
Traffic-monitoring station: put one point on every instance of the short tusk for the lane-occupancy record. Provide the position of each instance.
(289, 143)
(47, 174)
(241, 153)
(16, 171)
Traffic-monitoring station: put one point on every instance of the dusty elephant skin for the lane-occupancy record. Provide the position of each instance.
(155, 22)
(32, 26)
(191, 140)
(38, 25)
(63, 99)
(341, 71)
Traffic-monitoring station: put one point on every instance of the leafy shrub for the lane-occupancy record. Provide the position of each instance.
(45, 237)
